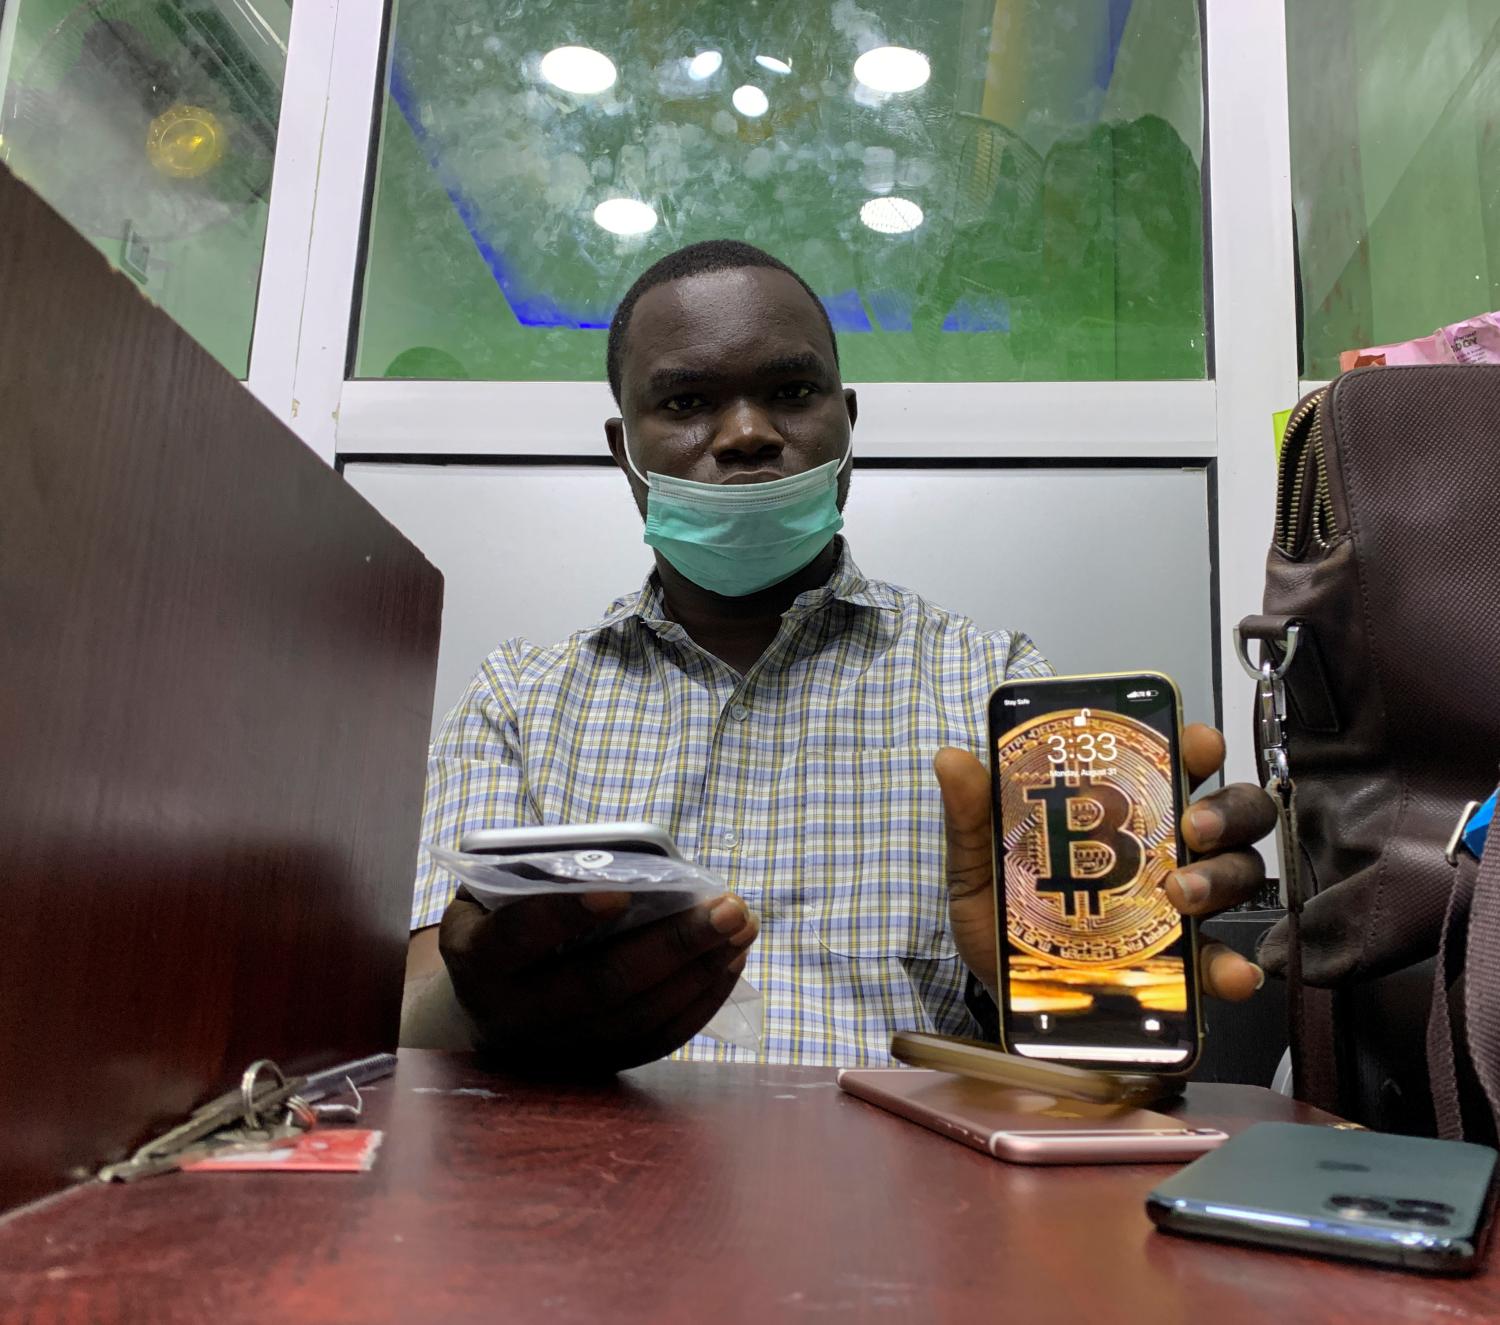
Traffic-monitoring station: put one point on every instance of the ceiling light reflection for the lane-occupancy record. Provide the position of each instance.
(892, 69)
(625, 216)
(704, 65)
(750, 101)
(578, 69)
(891, 216)
(773, 64)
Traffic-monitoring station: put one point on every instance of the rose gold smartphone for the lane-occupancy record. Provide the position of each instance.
(1024, 1127)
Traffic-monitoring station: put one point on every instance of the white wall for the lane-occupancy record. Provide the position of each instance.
(1107, 569)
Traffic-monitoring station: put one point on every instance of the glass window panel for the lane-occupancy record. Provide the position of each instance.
(1395, 113)
(980, 190)
(151, 126)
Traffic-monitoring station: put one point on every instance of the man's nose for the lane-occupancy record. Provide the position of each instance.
(746, 434)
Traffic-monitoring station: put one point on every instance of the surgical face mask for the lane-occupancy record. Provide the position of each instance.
(737, 538)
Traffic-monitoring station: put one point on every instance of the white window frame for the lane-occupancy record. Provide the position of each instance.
(313, 241)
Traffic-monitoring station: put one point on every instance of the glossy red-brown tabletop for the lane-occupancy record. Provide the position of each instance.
(678, 1193)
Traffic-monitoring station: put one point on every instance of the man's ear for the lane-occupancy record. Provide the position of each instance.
(851, 403)
(614, 436)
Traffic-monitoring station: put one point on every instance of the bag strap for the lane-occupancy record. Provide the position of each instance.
(1441, 1065)
(1481, 994)
(1296, 990)
(1315, 1077)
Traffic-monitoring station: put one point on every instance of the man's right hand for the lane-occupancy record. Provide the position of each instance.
(593, 1007)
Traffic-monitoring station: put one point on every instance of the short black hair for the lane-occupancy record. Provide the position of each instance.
(695, 260)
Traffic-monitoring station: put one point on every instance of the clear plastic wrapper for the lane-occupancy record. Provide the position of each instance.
(739, 1020)
(657, 887)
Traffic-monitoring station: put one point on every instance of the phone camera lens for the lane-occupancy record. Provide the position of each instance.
(1422, 1217)
(1358, 1205)
(1425, 1207)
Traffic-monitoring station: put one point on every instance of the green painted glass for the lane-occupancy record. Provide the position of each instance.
(150, 125)
(979, 190)
(1395, 117)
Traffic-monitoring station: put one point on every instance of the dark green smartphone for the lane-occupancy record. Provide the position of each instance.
(1325, 1191)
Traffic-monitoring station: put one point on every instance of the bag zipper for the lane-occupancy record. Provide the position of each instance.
(1302, 445)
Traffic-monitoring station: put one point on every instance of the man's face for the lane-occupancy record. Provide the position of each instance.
(729, 377)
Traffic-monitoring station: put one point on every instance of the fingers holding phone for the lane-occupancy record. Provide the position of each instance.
(558, 973)
(1218, 831)
(543, 996)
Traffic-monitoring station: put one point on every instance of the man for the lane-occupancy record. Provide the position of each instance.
(786, 719)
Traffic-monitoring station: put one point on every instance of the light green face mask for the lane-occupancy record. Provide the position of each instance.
(734, 539)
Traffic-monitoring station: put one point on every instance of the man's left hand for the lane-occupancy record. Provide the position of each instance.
(1220, 831)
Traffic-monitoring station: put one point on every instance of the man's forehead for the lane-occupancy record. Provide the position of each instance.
(724, 320)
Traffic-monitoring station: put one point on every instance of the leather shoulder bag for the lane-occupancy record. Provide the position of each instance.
(1379, 684)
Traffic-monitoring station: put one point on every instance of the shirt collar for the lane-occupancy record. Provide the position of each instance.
(846, 585)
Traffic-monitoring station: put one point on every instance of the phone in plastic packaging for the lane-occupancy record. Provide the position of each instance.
(1397, 1200)
(500, 867)
(645, 838)
(1097, 967)
(1029, 1127)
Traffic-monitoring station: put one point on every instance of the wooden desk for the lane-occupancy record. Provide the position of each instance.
(680, 1193)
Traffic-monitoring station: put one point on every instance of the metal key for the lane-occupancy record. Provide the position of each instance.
(297, 1116)
(243, 1140)
(254, 1115)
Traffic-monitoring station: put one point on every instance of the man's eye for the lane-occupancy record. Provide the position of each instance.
(677, 404)
(795, 391)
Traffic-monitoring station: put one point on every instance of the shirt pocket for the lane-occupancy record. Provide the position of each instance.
(873, 860)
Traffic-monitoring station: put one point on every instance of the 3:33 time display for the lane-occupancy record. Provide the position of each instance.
(1072, 749)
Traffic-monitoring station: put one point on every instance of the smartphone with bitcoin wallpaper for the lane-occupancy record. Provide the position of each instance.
(1097, 967)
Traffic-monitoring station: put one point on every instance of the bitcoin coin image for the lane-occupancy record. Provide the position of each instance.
(1121, 979)
(1089, 835)
(1039, 996)
(1163, 998)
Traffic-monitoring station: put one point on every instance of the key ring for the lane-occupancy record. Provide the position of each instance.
(300, 1112)
(251, 1075)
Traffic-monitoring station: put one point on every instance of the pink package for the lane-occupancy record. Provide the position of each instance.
(1476, 340)
(1428, 349)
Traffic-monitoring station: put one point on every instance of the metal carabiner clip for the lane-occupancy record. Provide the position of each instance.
(1271, 709)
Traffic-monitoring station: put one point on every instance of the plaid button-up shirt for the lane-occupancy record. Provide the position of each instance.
(807, 783)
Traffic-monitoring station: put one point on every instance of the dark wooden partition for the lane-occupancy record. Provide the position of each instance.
(216, 675)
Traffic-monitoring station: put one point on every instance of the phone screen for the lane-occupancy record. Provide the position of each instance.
(1096, 966)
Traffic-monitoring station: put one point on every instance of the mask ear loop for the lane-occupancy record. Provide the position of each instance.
(848, 456)
(629, 459)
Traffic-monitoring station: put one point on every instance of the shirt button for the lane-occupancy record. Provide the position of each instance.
(729, 838)
(739, 713)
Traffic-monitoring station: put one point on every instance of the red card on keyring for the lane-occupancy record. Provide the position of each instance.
(334, 1150)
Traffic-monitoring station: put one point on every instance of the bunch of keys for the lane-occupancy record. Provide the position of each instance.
(264, 1111)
